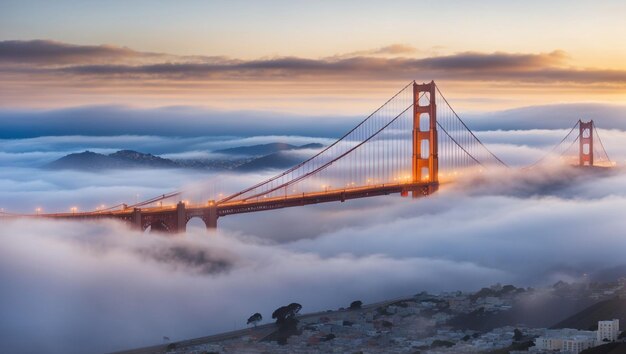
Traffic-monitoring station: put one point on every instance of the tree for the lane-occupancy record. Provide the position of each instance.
(294, 308)
(254, 319)
(355, 305)
(283, 313)
(518, 335)
(286, 321)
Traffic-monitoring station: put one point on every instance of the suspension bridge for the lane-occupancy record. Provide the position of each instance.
(408, 146)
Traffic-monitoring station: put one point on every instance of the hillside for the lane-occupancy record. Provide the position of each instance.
(244, 158)
(141, 159)
(88, 161)
(589, 317)
(91, 161)
(609, 348)
(279, 160)
(538, 313)
(265, 149)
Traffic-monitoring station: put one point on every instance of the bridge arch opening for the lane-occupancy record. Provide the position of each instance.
(196, 224)
(158, 226)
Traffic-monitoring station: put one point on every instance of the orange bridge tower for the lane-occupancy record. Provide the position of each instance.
(425, 161)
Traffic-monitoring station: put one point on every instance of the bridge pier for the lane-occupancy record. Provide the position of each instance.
(136, 219)
(210, 216)
(181, 218)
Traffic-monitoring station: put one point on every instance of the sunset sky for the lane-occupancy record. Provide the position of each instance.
(295, 56)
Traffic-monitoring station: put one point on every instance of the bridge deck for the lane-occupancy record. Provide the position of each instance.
(262, 203)
(258, 204)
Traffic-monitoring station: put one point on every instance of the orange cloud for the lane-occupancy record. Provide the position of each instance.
(34, 72)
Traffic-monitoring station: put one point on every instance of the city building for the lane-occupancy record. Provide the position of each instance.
(565, 340)
(608, 331)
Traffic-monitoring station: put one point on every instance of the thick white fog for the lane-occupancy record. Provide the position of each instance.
(81, 287)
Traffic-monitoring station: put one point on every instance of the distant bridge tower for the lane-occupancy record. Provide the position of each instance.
(425, 164)
(585, 137)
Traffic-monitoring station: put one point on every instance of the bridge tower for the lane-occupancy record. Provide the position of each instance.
(585, 137)
(425, 164)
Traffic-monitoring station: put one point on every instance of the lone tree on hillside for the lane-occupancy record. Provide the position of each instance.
(355, 305)
(284, 313)
(254, 319)
(287, 322)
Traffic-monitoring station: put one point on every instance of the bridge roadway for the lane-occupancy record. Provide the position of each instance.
(174, 218)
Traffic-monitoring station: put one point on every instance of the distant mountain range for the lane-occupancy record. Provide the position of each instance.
(244, 158)
(265, 149)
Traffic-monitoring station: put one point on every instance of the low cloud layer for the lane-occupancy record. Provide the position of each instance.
(141, 287)
(93, 287)
(135, 126)
(198, 122)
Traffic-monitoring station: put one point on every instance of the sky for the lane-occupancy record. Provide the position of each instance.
(182, 79)
(324, 57)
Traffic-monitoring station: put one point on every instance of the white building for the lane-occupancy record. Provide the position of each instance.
(578, 344)
(608, 330)
(565, 340)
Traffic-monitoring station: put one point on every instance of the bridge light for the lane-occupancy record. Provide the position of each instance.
(73, 210)
(38, 210)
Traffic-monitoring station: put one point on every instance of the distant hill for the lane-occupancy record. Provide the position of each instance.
(541, 313)
(279, 160)
(87, 160)
(259, 157)
(589, 317)
(91, 161)
(265, 149)
(141, 159)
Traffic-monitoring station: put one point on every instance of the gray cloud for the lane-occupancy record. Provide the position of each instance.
(203, 261)
(385, 63)
(54, 53)
(200, 123)
(470, 65)
(119, 120)
(558, 116)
